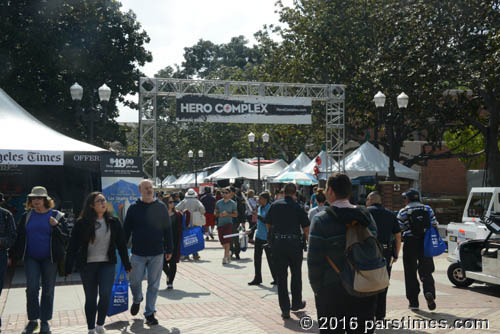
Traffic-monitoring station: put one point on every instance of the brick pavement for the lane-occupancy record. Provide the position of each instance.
(211, 298)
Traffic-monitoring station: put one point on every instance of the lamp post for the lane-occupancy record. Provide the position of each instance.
(260, 149)
(165, 164)
(191, 156)
(104, 93)
(402, 100)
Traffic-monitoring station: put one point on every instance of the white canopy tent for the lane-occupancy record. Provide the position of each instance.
(234, 169)
(325, 161)
(20, 131)
(168, 181)
(272, 169)
(297, 165)
(367, 160)
(188, 180)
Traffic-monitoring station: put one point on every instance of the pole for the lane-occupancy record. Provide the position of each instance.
(258, 168)
(91, 119)
(392, 174)
(195, 174)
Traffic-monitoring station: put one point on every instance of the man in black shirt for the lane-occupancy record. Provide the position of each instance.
(284, 219)
(389, 235)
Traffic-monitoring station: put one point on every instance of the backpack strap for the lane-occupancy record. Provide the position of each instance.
(332, 264)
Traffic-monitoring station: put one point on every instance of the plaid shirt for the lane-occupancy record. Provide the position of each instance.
(407, 210)
(8, 232)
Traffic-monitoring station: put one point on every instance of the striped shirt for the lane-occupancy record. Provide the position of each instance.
(403, 214)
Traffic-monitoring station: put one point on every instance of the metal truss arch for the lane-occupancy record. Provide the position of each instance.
(333, 95)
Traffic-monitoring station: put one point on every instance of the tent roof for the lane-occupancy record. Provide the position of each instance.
(187, 180)
(298, 164)
(168, 180)
(22, 131)
(273, 169)
(235, 169)
(325, 161)
(367, 160)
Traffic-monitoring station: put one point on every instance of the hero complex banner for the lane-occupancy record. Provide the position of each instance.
(244, 109)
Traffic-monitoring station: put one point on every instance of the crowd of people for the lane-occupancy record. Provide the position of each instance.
(281, 226)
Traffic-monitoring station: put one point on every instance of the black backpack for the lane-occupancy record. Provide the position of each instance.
(419, 221)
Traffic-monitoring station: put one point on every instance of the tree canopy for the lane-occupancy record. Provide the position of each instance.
(46, 46)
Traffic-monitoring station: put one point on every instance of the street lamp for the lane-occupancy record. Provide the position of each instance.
(260, 149)
(191, 156)
(104, 93)
(402, 100)
(165, 164)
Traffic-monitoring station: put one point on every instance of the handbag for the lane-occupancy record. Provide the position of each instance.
(119, 294)
(198, 219)
(433, 244)
(192, 239)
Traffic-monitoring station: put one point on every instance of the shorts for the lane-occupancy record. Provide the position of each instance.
(224, 230)
(210, 219)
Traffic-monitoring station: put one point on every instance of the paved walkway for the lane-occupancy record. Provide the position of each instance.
(211, 298)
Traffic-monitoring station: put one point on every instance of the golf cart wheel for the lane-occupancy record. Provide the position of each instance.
(456, 276)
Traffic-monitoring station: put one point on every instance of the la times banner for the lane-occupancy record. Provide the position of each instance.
(245, 109)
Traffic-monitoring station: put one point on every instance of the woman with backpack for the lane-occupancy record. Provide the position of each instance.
(42, 233)
(94, 240)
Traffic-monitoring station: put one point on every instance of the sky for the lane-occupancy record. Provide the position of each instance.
(173, 25)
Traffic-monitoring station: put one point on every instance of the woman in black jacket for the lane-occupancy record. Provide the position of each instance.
(95, 238)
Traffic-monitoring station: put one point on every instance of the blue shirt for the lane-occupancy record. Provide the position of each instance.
(38, 232)
(229, 207)
(261, 226)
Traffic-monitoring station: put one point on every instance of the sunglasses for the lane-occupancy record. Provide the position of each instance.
(170, 202)
(100, 201)
(225, 192)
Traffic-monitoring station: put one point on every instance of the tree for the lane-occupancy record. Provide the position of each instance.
(423, 48)
(46, 46)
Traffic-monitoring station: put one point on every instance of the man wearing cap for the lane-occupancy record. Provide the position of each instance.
(148, 222)
(7, 240)
(414, 219)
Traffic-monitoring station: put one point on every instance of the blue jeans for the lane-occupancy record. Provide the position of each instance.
(3, 270)
(153, 265)
(47, 270)
(97, 276)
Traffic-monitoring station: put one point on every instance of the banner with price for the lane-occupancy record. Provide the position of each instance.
(120, 177)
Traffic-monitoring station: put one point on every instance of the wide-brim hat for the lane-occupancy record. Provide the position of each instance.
(39, 191)
(191, 193)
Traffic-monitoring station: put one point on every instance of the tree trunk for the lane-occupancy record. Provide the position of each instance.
(493, 154)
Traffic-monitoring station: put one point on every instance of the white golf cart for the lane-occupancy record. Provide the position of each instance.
(474, 244)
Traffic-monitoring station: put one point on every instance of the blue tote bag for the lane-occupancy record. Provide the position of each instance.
(433, 244)
(192, 239)
(119, 294)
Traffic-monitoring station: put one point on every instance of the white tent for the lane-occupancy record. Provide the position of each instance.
(20, 131)
(273, 169)
(297, 165)
(367, 160)
(234, 169)
(325, 162)
(188, 180)
(168, 181)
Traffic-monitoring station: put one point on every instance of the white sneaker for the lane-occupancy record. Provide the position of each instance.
(225, 260)
(100, 330)
(91, 331)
